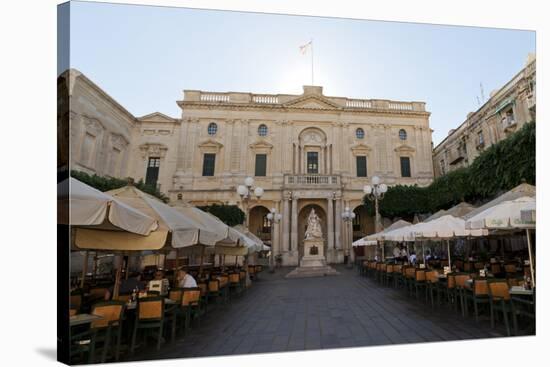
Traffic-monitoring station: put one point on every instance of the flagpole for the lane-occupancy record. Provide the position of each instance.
(311, 42)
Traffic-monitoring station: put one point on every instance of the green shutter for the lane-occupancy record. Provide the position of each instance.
(405, 167)
(208, 164)
(261, 165)
(361, 162)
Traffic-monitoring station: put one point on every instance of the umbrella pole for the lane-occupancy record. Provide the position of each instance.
(117, 278)
(84, 269)
(202, 259)
(449, 254)
(530, 256)
(423, 255)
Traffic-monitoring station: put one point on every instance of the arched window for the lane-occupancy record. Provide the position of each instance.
(212, 128)
(402, 134)
(262, 130)
(360, 133)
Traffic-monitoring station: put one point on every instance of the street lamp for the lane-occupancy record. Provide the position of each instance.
(273, 217)
(245, 192)
(375, 193)
(347, 216)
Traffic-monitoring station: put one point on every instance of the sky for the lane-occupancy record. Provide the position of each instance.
(145, 56)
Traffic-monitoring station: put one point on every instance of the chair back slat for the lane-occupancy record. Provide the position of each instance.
(499, 289)
(432, 276)
(191, 296)
(214, 285)
(234, 278)
(109, 311)
(175, 294)
(451, 282)
(460, 280)
(420, 275)
(480, 287)
(150, 308)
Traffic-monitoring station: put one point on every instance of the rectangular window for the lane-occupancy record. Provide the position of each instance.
(261, 163)
(152, 174)
(115, 158)
(208, 164)
(312, 162)
(87, 150)
(361, 162)
(405, 167)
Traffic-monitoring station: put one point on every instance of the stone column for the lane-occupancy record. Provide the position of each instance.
(338, 226)
(294, 230)
(330, 223)
(286, 222)
(276, 240)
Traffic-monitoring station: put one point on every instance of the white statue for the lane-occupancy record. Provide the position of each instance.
(313, 226)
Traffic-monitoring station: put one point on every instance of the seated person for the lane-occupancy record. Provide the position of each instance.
(127, 286)
(159, 275)
(185, 280)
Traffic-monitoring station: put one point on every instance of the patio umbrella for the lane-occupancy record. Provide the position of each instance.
(459, 210)
(85, 207)
(90, 208)
(445, 228)
(509, 215)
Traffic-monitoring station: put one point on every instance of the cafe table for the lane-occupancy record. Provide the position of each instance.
(132, 305)
(82, 319)
(520, 291)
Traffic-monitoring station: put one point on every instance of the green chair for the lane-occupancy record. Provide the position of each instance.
(477, 294)
(191, 305)
(460, 285)
(432, 281)
(524, 308)
(499, 301)
(149, 317)
(419, 281)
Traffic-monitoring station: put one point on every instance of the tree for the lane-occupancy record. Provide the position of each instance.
(229, 214)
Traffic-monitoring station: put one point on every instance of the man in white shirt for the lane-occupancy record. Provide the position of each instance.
(186, 280)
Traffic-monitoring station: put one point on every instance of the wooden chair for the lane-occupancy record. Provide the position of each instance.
(524, 308)
(510, 270)
(446, 290)
(224, 286)
(234, 284)
(123, 298)
(214, 291)
(460, 284)
(76, 301)
(252, 271)
(496, 269)
(477, 294)
(432, 282)
(149, 316)
(97, 293)
(409, 273)
(419, 281)
(191, 306)
(204, 295)
(499, 300)
(397, 275)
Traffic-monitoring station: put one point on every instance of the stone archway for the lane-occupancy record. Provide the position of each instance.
(259, 225)
(302, 224)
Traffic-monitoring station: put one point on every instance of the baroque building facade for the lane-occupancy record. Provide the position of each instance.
(505, 112)
(306, 151)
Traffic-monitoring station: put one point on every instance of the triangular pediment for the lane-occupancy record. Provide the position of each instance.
(157, 117)
(405, 149)
(313, 102)
(210, 144)
(261, 144)
(361, 148)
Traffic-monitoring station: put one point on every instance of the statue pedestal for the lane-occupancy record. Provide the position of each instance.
(313, 263)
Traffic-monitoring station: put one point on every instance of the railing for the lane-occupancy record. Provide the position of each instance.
(400, 106)
(209, 97)
(312, 180)
(358, 103)
(265, 99)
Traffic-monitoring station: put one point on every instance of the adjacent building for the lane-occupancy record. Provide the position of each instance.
(305, 151)
(506, 111)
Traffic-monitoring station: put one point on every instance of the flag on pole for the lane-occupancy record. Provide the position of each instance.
(304, 48)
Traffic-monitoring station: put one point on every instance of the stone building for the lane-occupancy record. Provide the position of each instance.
(306, 151)
(506, 111)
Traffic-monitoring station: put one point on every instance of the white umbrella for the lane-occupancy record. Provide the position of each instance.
(445, 228)
(509, 215)
(91, 208)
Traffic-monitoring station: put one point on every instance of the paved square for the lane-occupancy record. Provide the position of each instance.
(348, 310)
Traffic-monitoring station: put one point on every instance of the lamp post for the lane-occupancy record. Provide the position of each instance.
(347, 216)
(245, 192)
(375, 193)
(273, 217)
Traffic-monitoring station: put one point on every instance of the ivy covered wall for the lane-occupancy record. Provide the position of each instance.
(498, 169)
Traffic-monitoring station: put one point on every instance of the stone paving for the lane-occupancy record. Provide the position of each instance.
(347, 310)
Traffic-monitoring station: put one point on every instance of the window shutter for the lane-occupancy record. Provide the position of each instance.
(361, 162)
(261, 165)
(208, 164)
(405, 167)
